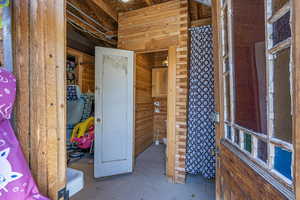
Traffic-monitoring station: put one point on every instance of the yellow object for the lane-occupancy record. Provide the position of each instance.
(81, 128)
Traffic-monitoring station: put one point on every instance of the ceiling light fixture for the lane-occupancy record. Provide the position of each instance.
(125, 1)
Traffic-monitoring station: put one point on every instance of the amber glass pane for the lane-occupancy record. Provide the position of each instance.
(282, 97)
(277, 4)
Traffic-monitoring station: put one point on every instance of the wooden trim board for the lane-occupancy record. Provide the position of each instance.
(171, 126)
(217, 85)
(295, 4)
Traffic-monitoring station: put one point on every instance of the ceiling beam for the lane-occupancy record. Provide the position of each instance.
(106, 8)
(75, 20)
(149, 2)
(102, 17)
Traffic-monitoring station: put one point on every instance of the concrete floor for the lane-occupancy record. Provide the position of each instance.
(147, 182)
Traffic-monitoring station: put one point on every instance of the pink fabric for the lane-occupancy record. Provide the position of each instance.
(16, 182)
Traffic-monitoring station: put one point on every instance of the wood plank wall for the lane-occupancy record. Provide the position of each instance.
(151, 28)
(156, 28)
(144, 103)
(39, 65)
(237, 180)
(86, 70)
(159, 119)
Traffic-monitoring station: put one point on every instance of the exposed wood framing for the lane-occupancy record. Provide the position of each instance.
(39, 57)
(74, 19)
(107, 8)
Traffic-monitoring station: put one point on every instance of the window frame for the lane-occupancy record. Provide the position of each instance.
(227, 55)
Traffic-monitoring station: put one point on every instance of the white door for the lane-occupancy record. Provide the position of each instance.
(114, 112)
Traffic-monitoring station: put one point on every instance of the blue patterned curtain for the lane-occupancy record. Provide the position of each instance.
(200, 158)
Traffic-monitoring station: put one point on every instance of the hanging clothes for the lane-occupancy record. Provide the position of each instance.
(16, 182)
(200, 157)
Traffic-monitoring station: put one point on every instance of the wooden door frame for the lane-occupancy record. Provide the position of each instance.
(171, 114)
(171, 109)
(217, 85)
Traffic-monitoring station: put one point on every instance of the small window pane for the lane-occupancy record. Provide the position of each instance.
(237, 137)
(227, 98)
(282, 29)
(225, 33)
(277, 4)
(248, 142)
(282, 97)
(283, 161)
(262, 151)
(228, 131)
(248, 58)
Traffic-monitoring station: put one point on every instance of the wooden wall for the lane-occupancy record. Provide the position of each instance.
(39, 65)
(144, 103)
(150, 28)
(155, 28)
(159, 119)
(240, 182)
(86, 70)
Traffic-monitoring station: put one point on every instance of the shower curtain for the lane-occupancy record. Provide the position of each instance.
(200, 157)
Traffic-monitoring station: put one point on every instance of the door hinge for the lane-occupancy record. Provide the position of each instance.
(63, 194)
(215, 117)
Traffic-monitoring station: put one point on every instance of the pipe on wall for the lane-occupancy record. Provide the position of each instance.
(205, 2)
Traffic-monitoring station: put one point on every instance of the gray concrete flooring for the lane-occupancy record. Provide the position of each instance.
(147, 182)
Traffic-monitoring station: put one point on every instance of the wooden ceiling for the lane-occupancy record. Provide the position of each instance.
(98, 18)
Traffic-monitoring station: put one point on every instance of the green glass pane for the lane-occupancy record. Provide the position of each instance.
(248, 143)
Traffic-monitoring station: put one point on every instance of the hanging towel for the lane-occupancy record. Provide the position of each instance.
(16, 182)
(200, 157)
